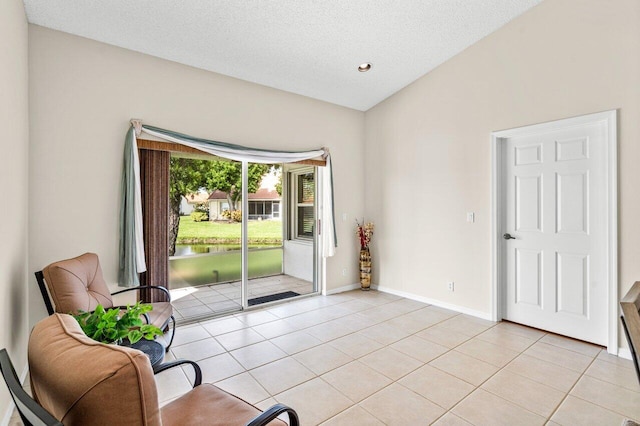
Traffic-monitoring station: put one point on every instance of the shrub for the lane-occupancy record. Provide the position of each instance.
(234, 216)
(202, 208)
(199, 216)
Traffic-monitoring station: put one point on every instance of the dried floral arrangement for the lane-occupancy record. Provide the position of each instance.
(364, 231)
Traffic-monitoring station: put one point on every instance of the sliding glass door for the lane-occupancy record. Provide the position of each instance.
(247, 237)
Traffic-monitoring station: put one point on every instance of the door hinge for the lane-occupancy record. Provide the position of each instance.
(319, 227)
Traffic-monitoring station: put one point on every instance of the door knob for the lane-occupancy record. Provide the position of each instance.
(508, 237)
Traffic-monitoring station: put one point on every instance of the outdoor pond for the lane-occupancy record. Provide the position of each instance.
(189, 249)
(201, 264)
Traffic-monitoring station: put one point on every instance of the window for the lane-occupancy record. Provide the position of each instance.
(303, 204)
(263, 209)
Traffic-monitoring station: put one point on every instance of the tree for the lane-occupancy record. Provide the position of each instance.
(226, 176)
(279, 183)
(186, 176)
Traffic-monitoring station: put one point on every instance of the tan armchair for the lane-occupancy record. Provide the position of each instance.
(80, 381)
(71, 285)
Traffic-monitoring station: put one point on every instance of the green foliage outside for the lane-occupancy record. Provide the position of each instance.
(199, 216)
(113, 325)
(226, 176)
(233, 215)
(200, 212)
(190, 175)
(260, 232)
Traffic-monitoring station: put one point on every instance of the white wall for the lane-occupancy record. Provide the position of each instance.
(14, 207)
(427, 148)
(298, 260)
(83, 94)
(185, 207)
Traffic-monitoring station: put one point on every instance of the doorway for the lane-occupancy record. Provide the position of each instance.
(555, 227)
(231, 260)
(297, 249)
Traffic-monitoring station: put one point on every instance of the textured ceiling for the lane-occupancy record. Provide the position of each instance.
(308, 47)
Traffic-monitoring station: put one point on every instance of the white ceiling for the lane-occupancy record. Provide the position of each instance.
(308, 47)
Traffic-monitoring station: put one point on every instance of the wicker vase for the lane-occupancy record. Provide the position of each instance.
(365, 269)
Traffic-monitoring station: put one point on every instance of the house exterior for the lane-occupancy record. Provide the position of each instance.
(188, 203)
(263, 204)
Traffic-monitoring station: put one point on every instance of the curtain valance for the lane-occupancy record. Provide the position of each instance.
(132, 259)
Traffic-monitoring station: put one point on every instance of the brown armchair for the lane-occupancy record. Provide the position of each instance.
(71, 285)
(80, 381)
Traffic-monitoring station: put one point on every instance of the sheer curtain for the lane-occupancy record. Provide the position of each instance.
(132, 250)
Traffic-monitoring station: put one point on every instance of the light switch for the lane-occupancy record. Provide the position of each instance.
(344, 217)
(471, 217)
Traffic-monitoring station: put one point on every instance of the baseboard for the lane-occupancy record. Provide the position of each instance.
(434, 302)
(343, 289)
(7, 415)
(624, 353)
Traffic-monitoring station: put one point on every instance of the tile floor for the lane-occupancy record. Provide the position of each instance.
(216, 299)
(370, 358)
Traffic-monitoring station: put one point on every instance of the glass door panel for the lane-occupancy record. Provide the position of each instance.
(281, 247)
(210, 264)
(205, 270)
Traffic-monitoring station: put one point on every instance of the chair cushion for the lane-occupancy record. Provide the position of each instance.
(81, 381)
(160, 314)
(77, 284)
(211, 406)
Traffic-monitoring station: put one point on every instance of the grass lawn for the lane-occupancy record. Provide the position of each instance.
(260, 231)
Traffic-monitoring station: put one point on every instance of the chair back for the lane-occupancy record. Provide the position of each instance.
(75, 284)
(30, 411)
(630, 318)
(81, 381)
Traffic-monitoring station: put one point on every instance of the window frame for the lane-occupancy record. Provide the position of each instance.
(293, 228)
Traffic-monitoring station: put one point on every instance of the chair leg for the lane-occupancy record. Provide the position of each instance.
(173, 333)
(634, 356)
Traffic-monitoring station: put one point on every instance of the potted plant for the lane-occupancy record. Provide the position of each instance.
(115, 324)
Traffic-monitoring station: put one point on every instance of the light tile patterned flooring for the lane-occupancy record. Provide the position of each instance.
(370, 358)
(215, 299)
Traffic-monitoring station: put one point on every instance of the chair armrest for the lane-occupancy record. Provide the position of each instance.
(124, 308)
(164, 289)
(167, 365)
(274, 412)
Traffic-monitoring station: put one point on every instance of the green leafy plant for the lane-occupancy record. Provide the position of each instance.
(199, 216)
(232, 215)
(114, 325)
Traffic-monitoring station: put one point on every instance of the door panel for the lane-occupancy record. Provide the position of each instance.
(529, 277)
(555, 207)
(528, 203)
(573, 283)
(572, 207)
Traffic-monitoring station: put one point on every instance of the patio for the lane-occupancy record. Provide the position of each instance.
(196, 303)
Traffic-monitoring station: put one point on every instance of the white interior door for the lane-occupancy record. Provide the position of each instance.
(554, 249)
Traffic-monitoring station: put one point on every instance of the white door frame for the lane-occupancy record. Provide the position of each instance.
(497, 211)
(319, 262)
